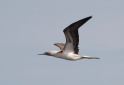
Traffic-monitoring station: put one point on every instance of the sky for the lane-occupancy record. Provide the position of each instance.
(30, 27)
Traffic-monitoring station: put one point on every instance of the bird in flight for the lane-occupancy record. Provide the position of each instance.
(69, 50)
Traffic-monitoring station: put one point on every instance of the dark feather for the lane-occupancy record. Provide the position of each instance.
(71, 33)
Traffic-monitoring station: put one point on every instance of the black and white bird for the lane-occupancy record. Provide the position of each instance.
(69, 50)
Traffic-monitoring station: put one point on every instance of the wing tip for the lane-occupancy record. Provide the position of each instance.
(89, 17)
(55, 44)
(58, 43)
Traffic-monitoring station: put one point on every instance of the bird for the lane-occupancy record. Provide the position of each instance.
(69, 50)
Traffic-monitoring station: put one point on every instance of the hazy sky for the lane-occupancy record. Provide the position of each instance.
(30, 27)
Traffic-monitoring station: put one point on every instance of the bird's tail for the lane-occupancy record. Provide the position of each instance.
(90, 57)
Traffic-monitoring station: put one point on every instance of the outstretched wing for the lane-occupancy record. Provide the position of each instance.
(72, 37)
(60, 45)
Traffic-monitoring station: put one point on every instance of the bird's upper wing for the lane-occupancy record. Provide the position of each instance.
(60, 45)
(72, 37)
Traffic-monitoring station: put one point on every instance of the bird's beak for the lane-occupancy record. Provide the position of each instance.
(43, 53)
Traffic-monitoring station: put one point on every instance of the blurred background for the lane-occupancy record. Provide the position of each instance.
(30, 27)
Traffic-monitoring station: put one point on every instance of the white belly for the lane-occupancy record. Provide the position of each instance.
(67, 56)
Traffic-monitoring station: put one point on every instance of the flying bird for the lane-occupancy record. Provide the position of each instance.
(70, 49)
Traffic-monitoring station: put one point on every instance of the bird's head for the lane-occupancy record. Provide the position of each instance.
(49, 53)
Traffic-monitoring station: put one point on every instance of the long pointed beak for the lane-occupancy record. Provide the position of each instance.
(43, 53)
